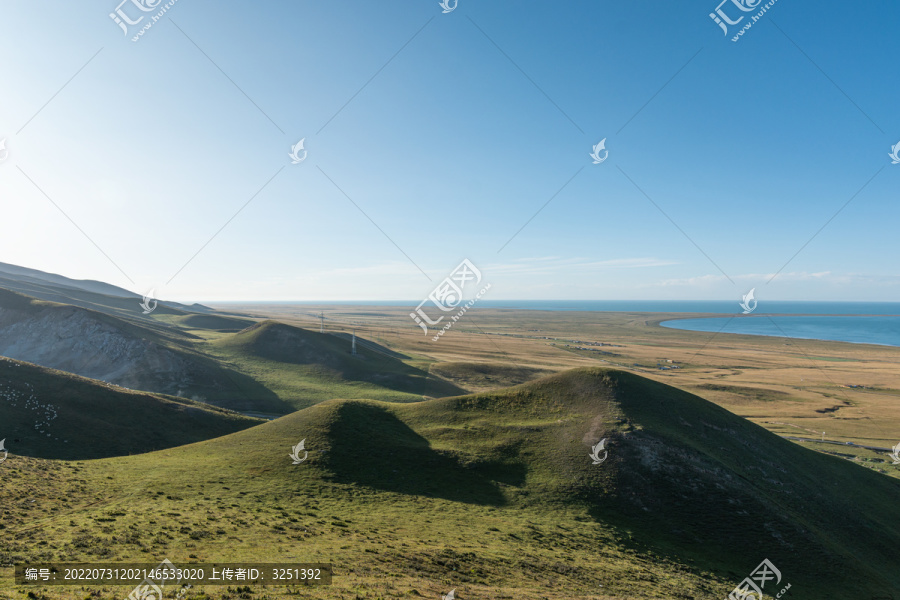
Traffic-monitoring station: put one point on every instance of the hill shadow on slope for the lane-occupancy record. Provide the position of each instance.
(51, 414)
(371, 446)
(371, 345)
(213, 322)
(324, 357)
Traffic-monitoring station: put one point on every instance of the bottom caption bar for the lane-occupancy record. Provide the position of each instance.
(167, 575)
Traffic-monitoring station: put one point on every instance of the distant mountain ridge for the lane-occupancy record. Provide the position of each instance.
(86, 293)
(89, 285)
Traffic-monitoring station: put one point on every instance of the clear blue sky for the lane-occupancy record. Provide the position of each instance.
(483, 115)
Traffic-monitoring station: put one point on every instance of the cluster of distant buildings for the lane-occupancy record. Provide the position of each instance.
(581, 342)
(673, 364)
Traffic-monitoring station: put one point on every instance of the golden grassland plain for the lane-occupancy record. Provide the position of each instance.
(793, 387)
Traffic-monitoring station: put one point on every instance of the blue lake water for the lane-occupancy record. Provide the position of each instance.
(883, 330)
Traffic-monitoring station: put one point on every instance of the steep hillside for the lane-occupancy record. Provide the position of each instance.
(493, 495)
(305, 367)
(132, 355)
(34, 276)
(51, 414)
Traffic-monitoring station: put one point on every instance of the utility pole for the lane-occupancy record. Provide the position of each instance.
(353, 348)
(322, 319)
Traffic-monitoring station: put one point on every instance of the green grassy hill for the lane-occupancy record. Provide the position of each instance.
(491, 494)
(212, 322)
(53, 414)
(477, 376)
(305, 367)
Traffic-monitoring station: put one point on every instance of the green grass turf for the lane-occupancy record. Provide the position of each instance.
(492, 494)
